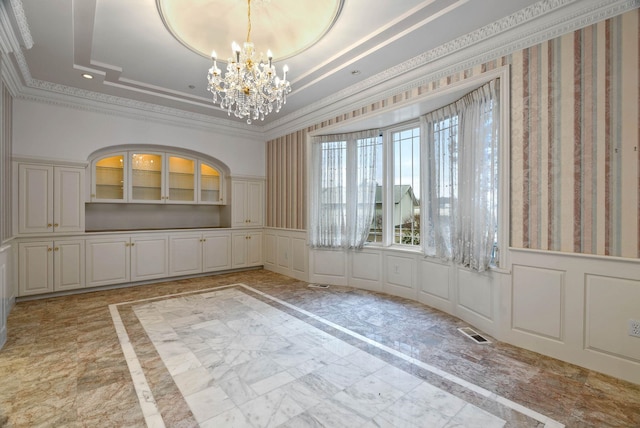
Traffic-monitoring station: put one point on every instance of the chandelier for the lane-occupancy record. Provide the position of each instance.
(250, 88)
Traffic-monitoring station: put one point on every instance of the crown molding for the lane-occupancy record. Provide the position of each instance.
(81, 99)
(23, 25)
(535, 24)
(8, 41)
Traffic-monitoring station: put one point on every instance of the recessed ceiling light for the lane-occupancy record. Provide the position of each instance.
(87, 76)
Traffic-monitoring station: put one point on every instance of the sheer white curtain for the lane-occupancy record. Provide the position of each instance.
(461, 157)
(342, 189)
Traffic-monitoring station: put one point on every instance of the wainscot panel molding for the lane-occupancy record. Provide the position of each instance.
(6, 296)
(328, 267)
(285, 252)
(576, 308)
(569, 306)
(366, 270)
(436, 285)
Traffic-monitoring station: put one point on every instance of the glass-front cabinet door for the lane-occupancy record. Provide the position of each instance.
(109, 174)
(156, 178)
(146, 181)
(182, 180)
(211, 186)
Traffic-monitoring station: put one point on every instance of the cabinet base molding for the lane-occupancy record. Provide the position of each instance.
(128, 284)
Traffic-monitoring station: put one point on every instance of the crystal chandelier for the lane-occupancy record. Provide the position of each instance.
(249, 89)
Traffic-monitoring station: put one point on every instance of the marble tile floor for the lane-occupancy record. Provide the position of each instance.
(319, 359)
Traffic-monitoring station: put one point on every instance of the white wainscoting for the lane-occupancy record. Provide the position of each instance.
(568, 306)
(285, 252)
(7, 293)
(576, 308)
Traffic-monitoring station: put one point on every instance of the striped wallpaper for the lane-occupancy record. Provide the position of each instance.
(574, 133)
(575, 156)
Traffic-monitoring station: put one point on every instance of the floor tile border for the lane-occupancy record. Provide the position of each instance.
(153, 415)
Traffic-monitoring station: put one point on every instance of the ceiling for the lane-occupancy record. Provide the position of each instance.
(136, 60)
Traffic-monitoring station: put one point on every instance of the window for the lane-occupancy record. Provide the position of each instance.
(343, 189)
(406, 186)
(435, 184)
(461, 183)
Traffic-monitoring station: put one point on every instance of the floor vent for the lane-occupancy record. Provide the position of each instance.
(319, 285)
(473, 335)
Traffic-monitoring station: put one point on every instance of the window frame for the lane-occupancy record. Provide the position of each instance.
(411, 112)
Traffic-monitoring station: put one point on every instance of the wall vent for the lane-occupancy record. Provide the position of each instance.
(318, 285)
(474, 335)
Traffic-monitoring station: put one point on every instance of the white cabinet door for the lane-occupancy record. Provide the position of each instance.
(247, 203)
(255, 203)
(239, 250)
(239, 215)
(35, 198)
(185, 254)
(247, 249)
(216, 251)
(35, 267)
(50, 199)
(149, 257)
(47, 266)
(107, 260)
(68, 266)
(254, 249)
(68, 203)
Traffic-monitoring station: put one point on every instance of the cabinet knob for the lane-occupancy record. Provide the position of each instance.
(204, 240)
(56, 249)
(133, 243)
(49, 249)
(55, 224)
(48, 224)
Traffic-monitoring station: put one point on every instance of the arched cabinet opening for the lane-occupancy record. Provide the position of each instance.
(155, 187)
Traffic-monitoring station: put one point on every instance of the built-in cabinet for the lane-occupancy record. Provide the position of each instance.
(247, 203)
(55, 254)
(108, 260)
(247, 248)
(48, 266)
(50, 199)
(193, 253)
(155, 177)
(126, 258)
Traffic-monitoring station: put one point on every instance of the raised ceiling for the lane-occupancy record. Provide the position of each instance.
(286, 27)
(137, 62)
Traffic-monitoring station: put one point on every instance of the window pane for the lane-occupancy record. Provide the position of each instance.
(375, 232)
(406, 186)
(333, 190)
